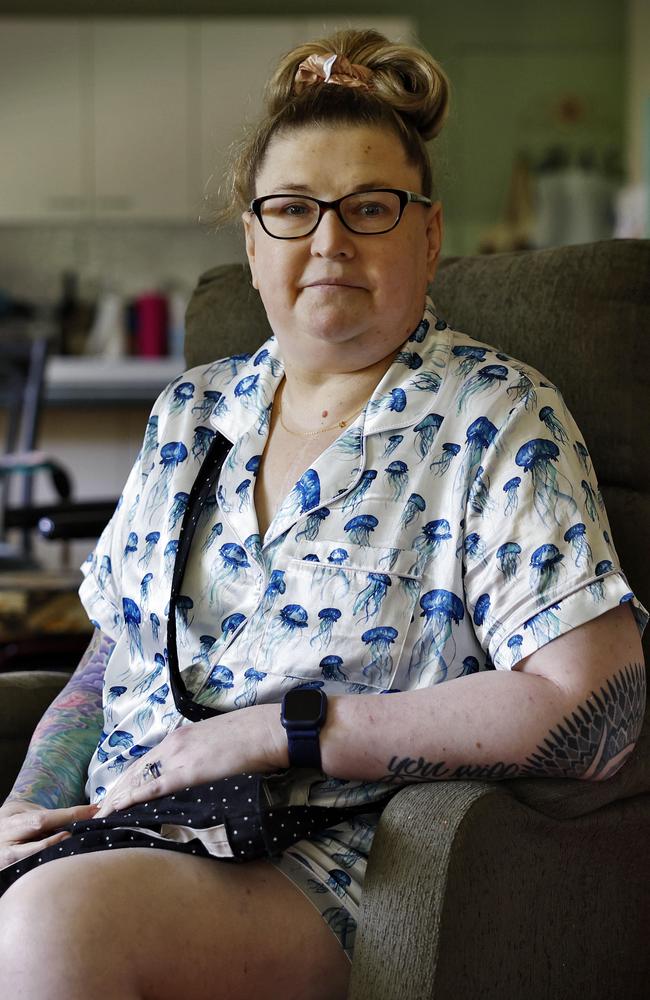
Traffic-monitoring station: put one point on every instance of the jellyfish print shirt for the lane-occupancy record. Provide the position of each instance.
(456, 526)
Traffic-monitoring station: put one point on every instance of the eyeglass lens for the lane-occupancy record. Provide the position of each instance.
(366, 212)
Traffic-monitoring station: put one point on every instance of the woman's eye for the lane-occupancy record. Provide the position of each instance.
(371, 209)
(296, 209)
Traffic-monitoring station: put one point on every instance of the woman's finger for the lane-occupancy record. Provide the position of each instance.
(12, 853)
(25, 826)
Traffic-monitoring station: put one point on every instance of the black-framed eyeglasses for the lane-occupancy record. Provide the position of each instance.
(368, 213)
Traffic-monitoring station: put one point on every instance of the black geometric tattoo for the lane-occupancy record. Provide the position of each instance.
(593, 744)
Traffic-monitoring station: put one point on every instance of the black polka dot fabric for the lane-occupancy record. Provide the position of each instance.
(254, 828)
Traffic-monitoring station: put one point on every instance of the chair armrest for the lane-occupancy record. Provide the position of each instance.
(29, 462)
(24, 696)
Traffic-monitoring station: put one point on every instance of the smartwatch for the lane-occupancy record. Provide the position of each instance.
(303, 715)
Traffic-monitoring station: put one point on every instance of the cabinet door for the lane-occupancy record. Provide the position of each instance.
(140, 109)
(43, 162)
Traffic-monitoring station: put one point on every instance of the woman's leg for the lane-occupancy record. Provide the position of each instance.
(155, 925)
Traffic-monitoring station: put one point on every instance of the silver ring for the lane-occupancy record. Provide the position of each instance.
(152, 771)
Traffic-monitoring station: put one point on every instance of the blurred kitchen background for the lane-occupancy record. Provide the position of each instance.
(115, 119)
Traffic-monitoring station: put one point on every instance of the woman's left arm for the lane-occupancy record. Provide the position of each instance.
(572, 709)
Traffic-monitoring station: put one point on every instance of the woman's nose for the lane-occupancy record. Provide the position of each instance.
(331, 238)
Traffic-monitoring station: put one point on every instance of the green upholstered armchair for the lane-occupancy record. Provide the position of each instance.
(528, 888)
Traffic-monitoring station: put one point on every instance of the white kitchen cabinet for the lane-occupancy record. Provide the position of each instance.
(141, 113)
(43, 120)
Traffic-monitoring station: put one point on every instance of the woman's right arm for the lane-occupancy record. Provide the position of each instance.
(55, 770)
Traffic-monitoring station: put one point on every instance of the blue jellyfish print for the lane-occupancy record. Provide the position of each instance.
(339, 580)
(133, 509)
(597, 589)
(397, 476)
(151, 541)
(330, 667)
(420, 332)
(470, 666)
(393, 402)
(203, 437)
(393, 442)
(576, 536)
(100, 793)
(231, 623)
(306, 493)
(443, 460)
(248, 696)
(243, 491)
(253, 544)
(181, 396)
(149, 446)
(253, 464)
(220, 680)
(356, 495)
(486, 380)
(512, 496)
(211, 404)
(132, 620)
(145, 584)
(172, 454)
(104, 571)
(226, 506)
(138, 750)
(118, 763)
(440, 609)
(145, 715)
(388, 561)
(429, 541)
(473, 546)
(369, 600)
(313, 524)
(508, 558)
(378, 670)
(154, 621)
(286, 627)
(169, 555)
(514, 645)
(131, 545)
(427, 381)
(338, 881)
(480, 435)
(177, 509)
(359, 528)
(114, 693)
(120, 738)
(234, 363)
(276, 585)
(206, 642)
(472, 356)
(351, 442)
(263, 357)
(590, 500)
(548, 418)
(226, 570)
(232, 459)
(545, 625)
(583, 456)
(523, 391)
(214, 533)
(415, 505)
(478, 496)
(425, 433)
(152, 676)
(537, 457)
(481, 610)
(184, 605)
(250, 392)
(411, 359)
(323, 635)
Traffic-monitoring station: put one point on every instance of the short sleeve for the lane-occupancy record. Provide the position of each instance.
(538, 551)
(101, 589)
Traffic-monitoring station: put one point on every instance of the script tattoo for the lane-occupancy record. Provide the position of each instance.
(55, 769)
(592, 744)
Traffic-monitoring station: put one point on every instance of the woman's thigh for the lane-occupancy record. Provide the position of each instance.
(157, 925)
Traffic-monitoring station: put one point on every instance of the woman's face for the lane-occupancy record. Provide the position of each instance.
(381, 280)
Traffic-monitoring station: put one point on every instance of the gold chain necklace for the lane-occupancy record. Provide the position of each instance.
(339, 423)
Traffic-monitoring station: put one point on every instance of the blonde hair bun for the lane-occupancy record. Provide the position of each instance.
(406, 78)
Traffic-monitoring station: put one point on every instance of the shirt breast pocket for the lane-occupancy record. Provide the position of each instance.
(340, 615)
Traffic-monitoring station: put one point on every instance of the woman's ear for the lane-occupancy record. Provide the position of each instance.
(434, 239)
(249, 233)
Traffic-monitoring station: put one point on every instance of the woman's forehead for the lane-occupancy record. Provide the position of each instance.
(345, 156)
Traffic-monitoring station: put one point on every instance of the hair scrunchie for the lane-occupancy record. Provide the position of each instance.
(331, 68)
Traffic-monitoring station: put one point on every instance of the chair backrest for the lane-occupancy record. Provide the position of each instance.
(580, 314)
(22, 371)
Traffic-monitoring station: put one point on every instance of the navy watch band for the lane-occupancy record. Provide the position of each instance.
(303, 715)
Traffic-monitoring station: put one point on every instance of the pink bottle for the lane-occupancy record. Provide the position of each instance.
(151, 325)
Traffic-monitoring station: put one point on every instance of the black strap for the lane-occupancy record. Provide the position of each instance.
(204, 486)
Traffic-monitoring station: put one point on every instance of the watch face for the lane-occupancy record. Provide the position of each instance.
(302, 706)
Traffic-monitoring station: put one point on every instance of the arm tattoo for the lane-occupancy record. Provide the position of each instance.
(593, 744)
(55, 769)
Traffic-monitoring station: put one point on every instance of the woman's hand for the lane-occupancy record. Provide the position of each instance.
(249, 739)
(27, 828)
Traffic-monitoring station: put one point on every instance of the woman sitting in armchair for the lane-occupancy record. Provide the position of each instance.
(402, 511)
